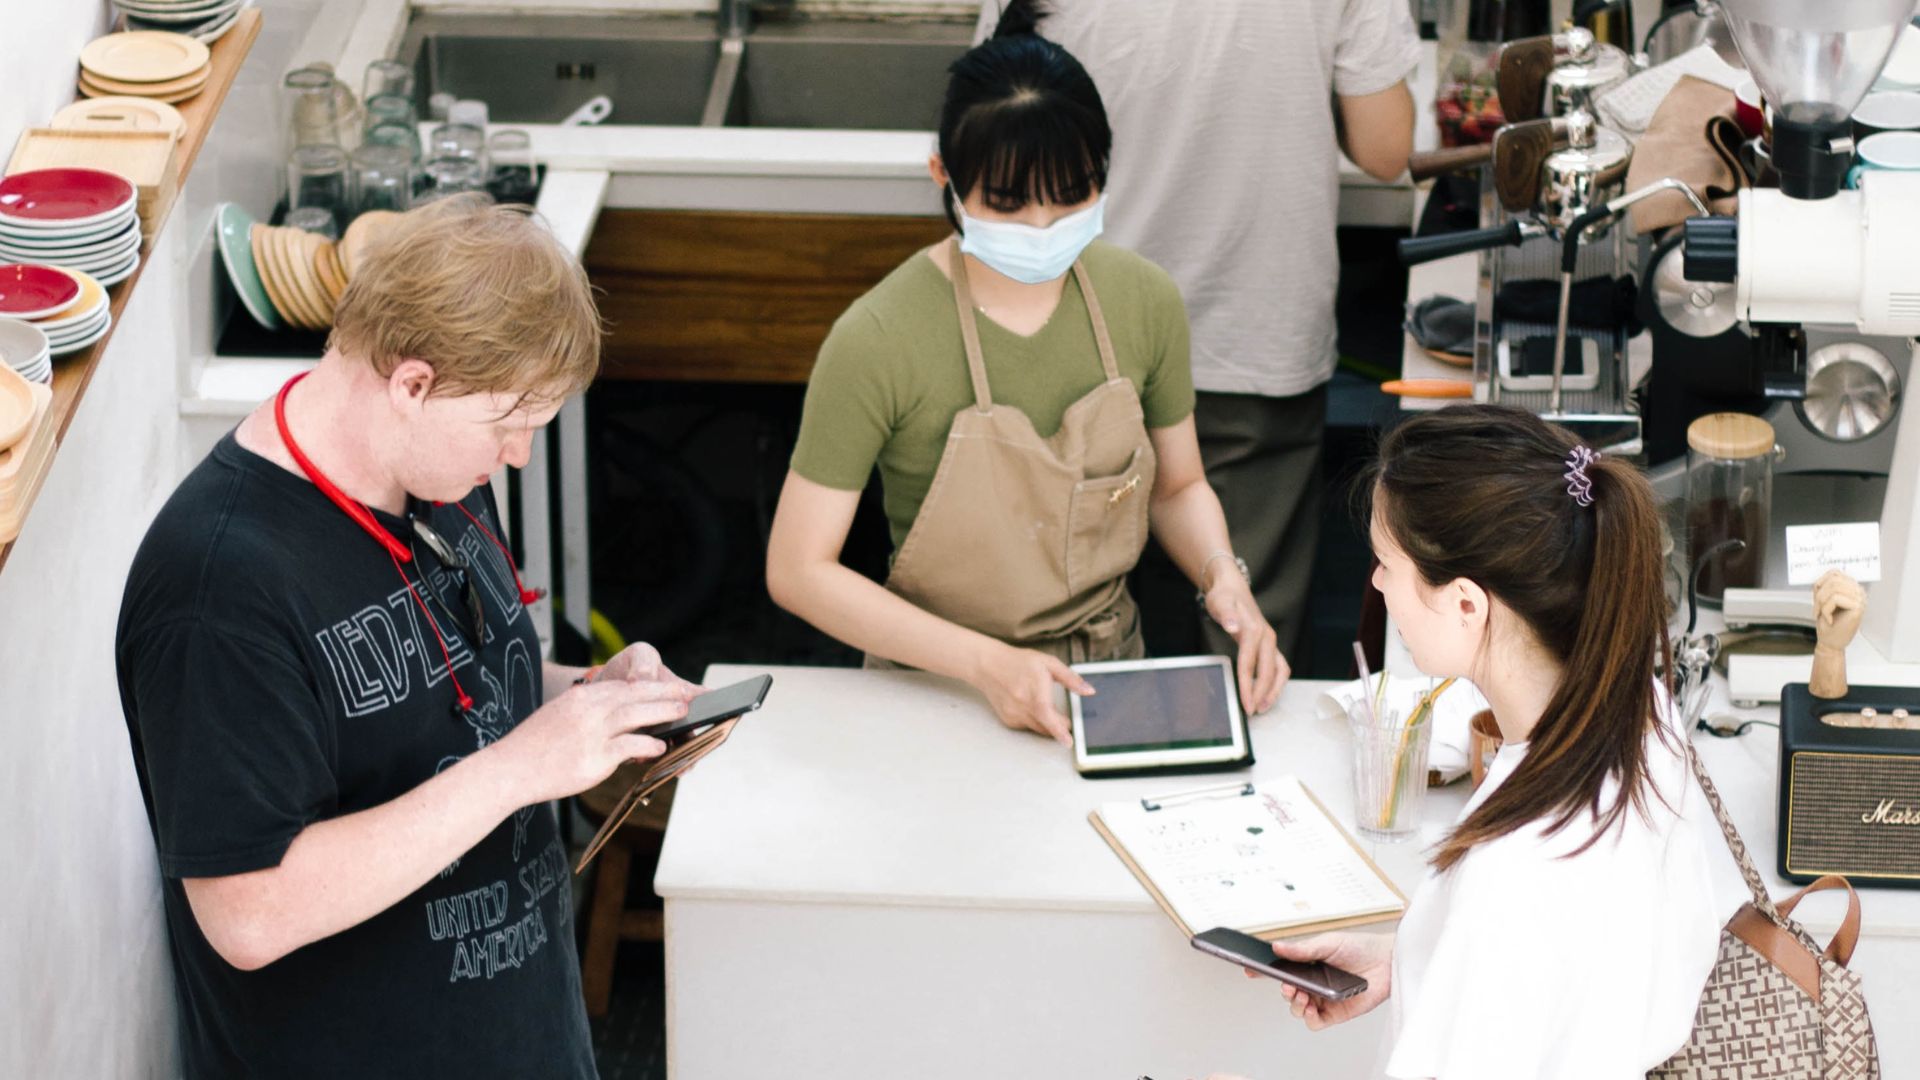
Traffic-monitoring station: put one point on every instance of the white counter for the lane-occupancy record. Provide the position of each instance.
(874, 878)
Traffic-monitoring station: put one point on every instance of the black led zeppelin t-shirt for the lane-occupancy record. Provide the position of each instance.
(275, 672)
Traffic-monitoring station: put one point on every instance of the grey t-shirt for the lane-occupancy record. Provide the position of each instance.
(1225, 163)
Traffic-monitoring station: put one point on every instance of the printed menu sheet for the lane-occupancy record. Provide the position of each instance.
(1257, 858)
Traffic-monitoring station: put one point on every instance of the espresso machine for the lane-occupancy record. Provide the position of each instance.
(1827, 280)
(1554, 299)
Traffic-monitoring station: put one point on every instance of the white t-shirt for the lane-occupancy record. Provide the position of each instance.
(1519, 963)
(1225, 163)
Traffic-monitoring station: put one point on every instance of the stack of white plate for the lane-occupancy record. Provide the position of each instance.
(203, 20)
(23, 347)
(75, 219)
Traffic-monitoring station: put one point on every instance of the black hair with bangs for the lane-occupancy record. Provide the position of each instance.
(1022, 120)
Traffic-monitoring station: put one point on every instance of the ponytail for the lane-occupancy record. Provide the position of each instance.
(1019, 17)
(1569, 542)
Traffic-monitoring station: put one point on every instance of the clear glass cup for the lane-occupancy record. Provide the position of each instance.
(391, 109)
(1389, 772)
(317, 177)
(309, 109)
(315, 220)
(383, 178)
(387, 77)
(457, 141)
(452, 176)
(511, 175)
(439, 105)
(402, 136)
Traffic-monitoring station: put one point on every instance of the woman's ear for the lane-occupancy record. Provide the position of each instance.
(937, 169)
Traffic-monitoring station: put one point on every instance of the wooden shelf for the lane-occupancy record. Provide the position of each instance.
(73, 374)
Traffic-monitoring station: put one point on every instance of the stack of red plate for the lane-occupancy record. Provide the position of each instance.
(81, 219)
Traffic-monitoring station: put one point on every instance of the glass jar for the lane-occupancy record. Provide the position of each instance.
(1730, 458)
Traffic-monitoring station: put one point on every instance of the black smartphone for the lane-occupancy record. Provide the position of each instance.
(1324, 981)
(714, 706)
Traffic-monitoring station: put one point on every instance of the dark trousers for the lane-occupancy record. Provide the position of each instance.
(1263, 459)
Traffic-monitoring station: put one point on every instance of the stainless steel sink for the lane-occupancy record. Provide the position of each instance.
(799, 72)
(536, 69)
(816, 74)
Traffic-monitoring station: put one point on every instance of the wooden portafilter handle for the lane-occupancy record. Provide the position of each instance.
(1838, 604)
(1517, 152)
(1428, 164)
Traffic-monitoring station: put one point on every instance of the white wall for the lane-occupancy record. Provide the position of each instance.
(85, 978)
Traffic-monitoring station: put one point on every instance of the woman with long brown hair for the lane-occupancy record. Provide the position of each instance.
(1567, 923)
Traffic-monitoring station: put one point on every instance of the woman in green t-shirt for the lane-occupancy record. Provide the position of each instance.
(1025, 393)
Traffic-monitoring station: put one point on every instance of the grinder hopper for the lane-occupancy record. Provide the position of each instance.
(1813, 61)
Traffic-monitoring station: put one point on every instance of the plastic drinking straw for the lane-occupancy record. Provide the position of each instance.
(1421, 714)
(1360, 658)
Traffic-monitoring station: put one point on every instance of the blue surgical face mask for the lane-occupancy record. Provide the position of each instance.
(1028, 254)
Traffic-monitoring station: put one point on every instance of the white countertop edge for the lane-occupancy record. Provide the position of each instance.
(701, 894)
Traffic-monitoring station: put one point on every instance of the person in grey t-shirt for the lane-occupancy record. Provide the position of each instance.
(1226, 173)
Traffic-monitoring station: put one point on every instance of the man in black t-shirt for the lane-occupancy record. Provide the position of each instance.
(345, 736)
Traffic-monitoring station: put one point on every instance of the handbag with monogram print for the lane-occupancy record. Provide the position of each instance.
(1777, 1005)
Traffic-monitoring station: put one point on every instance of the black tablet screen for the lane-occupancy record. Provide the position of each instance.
(1156, 709)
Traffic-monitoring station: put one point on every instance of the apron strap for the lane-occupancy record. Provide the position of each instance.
(969, 327)
(1100, 336)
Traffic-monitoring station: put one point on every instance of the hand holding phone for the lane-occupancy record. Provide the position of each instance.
(1321, 979)
(710, 708)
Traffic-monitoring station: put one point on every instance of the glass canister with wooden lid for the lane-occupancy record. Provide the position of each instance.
(1730, 459)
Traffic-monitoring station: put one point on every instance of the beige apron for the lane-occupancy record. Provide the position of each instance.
(1029, 540)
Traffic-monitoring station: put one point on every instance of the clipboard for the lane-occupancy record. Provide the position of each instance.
(658, 772)
(1268, 932)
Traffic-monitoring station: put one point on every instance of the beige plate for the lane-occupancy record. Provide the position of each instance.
(365, 230)
(296, 254)
(92, 91)
(326, 267)
(146, 90)
(144, 56)
(339, 266)
(16, 406)
(279, 246)
(312, 250)
(270, 277)
(120, 113)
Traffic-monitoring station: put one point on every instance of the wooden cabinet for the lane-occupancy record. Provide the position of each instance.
(699, 296)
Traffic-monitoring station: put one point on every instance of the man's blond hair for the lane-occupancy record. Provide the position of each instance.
(482, 292)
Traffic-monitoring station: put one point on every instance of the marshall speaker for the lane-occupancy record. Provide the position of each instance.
(1850, 785)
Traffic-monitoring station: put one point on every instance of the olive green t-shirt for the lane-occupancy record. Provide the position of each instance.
(893, 373)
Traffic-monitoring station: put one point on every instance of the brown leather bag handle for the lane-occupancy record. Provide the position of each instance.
(1840, 949)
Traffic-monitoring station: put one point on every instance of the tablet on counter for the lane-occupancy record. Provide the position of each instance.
(1175, 715)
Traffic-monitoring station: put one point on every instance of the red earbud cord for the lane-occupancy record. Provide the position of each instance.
(397, 552)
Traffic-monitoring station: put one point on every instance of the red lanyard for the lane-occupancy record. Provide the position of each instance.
(397, 552)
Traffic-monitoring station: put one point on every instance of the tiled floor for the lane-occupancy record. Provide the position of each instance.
(630, 1043)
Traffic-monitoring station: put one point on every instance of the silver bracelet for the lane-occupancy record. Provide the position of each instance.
(1239, 563)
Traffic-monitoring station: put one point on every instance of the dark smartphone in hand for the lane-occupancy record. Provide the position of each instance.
(1322, 980)
(712, 707)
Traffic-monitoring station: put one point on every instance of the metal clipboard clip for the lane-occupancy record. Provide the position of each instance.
(1151, 803)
